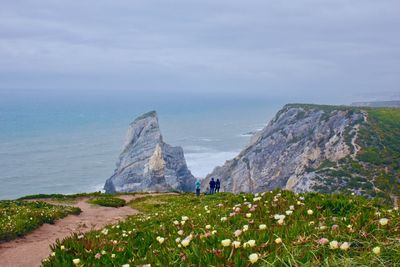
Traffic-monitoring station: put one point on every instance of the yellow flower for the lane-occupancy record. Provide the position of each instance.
(376, 250)
(185, 242)
(248, 215)
(253, 258)
(160, 239)
(62, 247)
(278, 240)
(333, 244)
(226, 242)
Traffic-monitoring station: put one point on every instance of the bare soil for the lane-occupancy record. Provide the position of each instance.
(30, 250)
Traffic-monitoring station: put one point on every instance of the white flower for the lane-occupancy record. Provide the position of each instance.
(256, 199)
(383, 221)
(176, 222)
(253, 258)
(262, 227)
(278, 240)
(183, 222)
(291, 207)
(223, 219)
(237, 233)
(251, 243)
(112, 255)
(208, 226)
(245, 228)
(178, 240)
(126, 265)
(160, 239)
(280, 221)
(185, 218)
(185, 242)
(310, 212)
(76, 261)
(236, 244)
(226, 242)
(180, 232)
(345, 246)
(62, 247)
(289, 212)
(213, 232)
(333, 244)
(376, 250)
(248, 215)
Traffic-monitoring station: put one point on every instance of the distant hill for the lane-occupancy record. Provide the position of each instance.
(320, 148)
(378, 104)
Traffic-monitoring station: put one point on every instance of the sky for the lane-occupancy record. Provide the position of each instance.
(331, 51)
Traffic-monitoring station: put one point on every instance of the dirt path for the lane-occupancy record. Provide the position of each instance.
(29, 251)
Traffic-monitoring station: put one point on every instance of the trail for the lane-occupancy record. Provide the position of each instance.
(356, 129)
(30, 250)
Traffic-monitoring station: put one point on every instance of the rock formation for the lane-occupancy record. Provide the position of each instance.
(147, 163)
(285, 153)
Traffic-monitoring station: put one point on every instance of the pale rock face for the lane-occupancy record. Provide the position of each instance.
(280, 156)
(147, 163)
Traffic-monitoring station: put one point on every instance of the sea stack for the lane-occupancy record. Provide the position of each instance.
(147, 163)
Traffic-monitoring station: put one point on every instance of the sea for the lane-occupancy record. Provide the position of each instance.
(69, 143)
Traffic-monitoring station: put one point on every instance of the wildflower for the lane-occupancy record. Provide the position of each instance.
(279, 217)
(62, 247)
(113, 256)
(345, 246)
(262, 227)
(178, 240)
(176, 222)
(251, 243)
(245, 228)
(256, 199)
(310, 212)
(376, 250)
(160, 239)
(185, 218)
(223, 219)
(322, 227)
(126, 265)
(226, 242)
(383, 221)
(253, 258)
(213, 232)
(278, 240)
(208, 226)
(335, 227)
(280, 221)
(248, 215)
(291, 207)
(180, 232)
(76, 261)
(237, 233)
(185, 242)
(323, 241)
(289, 212)
(183, 222)
(333, 244)
(103, 252)
(97, 256)
(236, 244)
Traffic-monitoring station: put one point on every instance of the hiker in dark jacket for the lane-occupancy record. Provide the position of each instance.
(197, 185)
(212, 186)
(217, 186)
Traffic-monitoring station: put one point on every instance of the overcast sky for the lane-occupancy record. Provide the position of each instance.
(336, 50)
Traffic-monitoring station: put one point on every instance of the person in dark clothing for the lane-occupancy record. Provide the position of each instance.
(212, 186)
(217, 186)
(197, 185)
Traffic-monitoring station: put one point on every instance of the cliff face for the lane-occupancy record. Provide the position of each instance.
(288, 150)
(147, 163)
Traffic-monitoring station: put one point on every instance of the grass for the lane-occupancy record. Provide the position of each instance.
(108, 201)
(158, 236)
(18, 218)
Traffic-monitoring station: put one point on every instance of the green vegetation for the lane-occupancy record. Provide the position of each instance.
(59, 196)
(108, 201)
(277, 228)
(20, 217)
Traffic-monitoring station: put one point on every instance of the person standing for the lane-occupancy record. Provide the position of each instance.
(198, 184)
(217, 186)
(212, 186)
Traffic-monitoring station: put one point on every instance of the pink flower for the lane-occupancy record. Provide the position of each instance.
(232, 214)
(335, 227)
(97, 256)
(253, 209)
(323, 241)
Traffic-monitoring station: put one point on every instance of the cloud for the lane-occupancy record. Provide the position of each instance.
(262, 47)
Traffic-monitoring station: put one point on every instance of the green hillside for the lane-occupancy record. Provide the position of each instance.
(277, 228)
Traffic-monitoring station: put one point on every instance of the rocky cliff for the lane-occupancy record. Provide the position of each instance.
(287, 151)
(147, 163)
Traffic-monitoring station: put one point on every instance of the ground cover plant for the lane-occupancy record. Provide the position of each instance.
(20, 217)
(108, 201)
(277, 228)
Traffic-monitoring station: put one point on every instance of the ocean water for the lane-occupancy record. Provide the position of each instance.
(70, 145)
